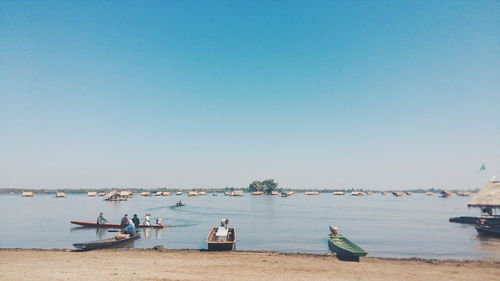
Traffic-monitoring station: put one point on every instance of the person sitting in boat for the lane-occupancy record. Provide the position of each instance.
(101, 219)
(147, 220)
(136, 220)
(129, 229)
(158, 221)
(124, 222)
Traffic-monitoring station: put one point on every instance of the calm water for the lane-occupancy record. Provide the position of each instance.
(386, 226)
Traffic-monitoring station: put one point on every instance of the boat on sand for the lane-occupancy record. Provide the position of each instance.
(343, 247)
(118, 240)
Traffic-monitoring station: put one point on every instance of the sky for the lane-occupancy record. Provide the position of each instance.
(203, 94)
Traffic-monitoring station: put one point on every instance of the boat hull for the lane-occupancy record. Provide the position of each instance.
(488, 230)
(344, 247)
(105, 243)
(465, 220)
(228, 245)
(112, 225)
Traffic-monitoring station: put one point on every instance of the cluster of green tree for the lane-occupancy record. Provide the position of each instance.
(266, 186)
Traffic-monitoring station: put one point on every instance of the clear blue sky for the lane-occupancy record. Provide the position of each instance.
(315, 94)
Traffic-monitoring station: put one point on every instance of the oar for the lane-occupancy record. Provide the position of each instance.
(113, 230)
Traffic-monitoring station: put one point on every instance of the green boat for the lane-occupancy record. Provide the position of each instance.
(342, 246)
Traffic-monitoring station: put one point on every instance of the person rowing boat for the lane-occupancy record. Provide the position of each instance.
(101, 219)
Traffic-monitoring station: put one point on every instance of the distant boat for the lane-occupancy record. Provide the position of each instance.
(445, 194)
(106, 243)
(27, 194)
(178, 193)
(342, 246)
(113, 225)
(60, 194)
(338, 193)
(179, 204)
(222, 238)
(311, 193)
(397, 193)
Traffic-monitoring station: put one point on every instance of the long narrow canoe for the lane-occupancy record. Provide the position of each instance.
(466, 220)
(105, 243)
(112, 225)
(344, 247)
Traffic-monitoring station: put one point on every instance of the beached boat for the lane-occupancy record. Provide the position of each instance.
(112, 225)
(106, 243)
(342, 246)
(222, 238)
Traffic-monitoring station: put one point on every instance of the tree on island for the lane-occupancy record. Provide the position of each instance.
(266, 186)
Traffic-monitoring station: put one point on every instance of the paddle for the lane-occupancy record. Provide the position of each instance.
(113, 230)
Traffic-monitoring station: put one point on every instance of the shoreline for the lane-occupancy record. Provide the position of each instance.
(167, 264)
(329, 254)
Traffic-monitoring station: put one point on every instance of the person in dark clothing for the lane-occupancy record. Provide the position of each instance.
(124, 222)
(136, 220)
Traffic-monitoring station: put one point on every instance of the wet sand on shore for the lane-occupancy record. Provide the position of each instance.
(145, 264)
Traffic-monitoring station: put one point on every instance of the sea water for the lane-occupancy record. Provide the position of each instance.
(385, 226)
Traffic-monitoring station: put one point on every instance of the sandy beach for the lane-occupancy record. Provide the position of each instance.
(140, 264)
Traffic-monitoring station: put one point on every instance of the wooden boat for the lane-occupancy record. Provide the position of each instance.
(179, 204)
(222, 238)
(106, 243)
(112, 225)
(342, 246)
(488, 230)
(463, 219)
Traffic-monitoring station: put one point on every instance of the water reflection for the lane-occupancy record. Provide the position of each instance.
(488, 245)
(146, 233)
(100, 232)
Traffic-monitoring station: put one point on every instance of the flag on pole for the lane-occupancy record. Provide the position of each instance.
(483, 168)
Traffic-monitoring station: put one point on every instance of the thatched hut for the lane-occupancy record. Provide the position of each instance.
(446, 193)
(338, 193)
(257, 193)
(239, 193)
(463, 193)
(28, 194)
(60, 194)
(192, 193)
(311, 193)
(429, 193)
(488, 196)
(166, 193)
(91, 194)
(146, 194)
(274, 193)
